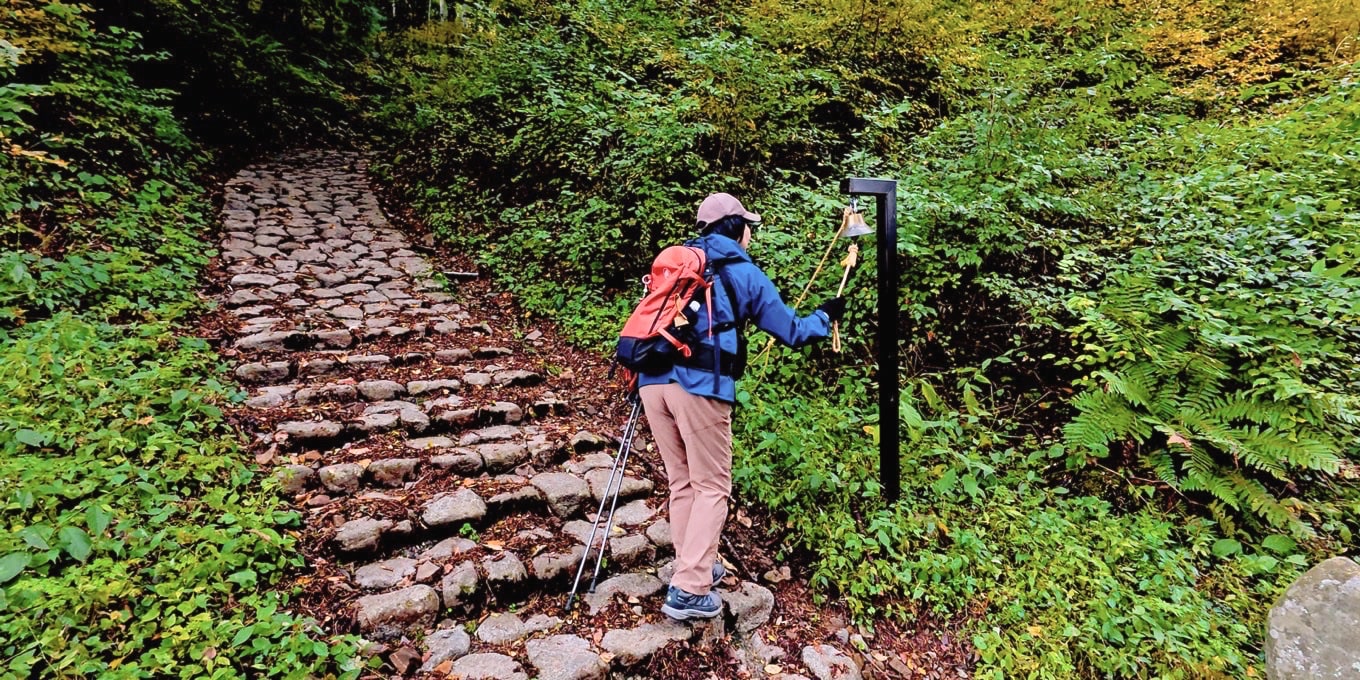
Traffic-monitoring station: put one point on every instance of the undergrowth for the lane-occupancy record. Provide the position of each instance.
(1128, 293)
(138, 541)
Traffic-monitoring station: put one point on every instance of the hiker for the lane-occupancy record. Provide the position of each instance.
(689, 408)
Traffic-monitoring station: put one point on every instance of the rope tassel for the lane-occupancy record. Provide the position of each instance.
(850, 260)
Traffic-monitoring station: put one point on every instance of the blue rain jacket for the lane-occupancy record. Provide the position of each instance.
(758, 301)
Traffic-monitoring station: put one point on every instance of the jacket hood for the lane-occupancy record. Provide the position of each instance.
(721, 247)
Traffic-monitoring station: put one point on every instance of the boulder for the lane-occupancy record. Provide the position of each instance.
(1313, 631)
(565, 657)
(390, 615)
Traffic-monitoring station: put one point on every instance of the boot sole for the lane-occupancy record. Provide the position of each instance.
(687, 614)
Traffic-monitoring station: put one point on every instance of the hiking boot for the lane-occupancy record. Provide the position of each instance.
(719, 571)
(683, 606)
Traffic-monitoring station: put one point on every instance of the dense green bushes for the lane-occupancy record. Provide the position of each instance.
(137, 541)
(1128, 281)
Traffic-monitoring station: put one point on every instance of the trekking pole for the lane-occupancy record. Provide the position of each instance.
(628, 432)
(627, 448)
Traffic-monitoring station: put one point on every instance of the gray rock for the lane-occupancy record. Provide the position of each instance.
(395, 613)
(631, 549)
(460, 461)
(592, 462)
(459, 586)
(316, 368)
(393, 472)
(565, 657)
(446, 549)
(244, 280)
(631, 647)
(547, 407)
(308, 430)
(660, 533)
(476, 379)
(751, 604)
(552, 565)
(378, 422)
(628, 487)
(636, 512)
(427, 443)
(414, 419)
(629, 585)
(384, 574)
(828, 663)
(503, 629)
(443, 645)
(417, 387)
(270, 340)
(347, 312)
(293, 478)
(523, 497)
(504, 570)
(452, 356)
(580, 530)
(361, 535)
(336, 339)
(487, 667)
(342, 478)
(463, 505)
(1313, 631)
(517, 378)
(497, 433)
(502, 412)
(313, 395)
(566, 493)
(381, 390)
(369, 360)
(503, 457)
(456, 418)
(585, 442)
(263, 372)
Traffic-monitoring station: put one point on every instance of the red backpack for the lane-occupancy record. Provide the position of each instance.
(660, 332)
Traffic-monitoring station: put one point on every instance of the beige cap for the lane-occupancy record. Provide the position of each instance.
(718, 206)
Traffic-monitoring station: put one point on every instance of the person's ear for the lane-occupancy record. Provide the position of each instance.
(746, 237)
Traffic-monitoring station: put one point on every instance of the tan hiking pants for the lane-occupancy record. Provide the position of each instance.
(695, 438)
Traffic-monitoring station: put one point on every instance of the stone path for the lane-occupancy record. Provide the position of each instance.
(446, 493)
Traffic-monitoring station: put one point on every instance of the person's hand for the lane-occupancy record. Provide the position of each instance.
(833, 308)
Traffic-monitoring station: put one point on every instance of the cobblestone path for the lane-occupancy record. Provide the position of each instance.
(447, 491)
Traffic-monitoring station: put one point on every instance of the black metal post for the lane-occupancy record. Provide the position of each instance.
(884, 192)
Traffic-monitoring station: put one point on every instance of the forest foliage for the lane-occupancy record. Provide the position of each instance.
(138, 541)
(1129, 303)
(1130, 288)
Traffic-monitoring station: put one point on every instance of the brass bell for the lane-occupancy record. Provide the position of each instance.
(853, 224)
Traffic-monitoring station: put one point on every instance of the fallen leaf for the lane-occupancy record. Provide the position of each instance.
(1176, 438)
(403, 658)
(495, 545)
(444, 667)
(774, 669)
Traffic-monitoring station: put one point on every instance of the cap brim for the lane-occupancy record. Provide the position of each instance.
(751, 217)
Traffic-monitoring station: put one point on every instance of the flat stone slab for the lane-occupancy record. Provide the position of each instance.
(630, 585)
(293, 478)
(550, 566)
(828, 663)
(502, 457)
(392, 472)
(463, 505)
(751, 604)
(342, 478)
(633, 646)
(361, 535)
(384, 574)
(393, 614)
(505, 569)
(628, 487)
(427, 443)
(381, 390)
(636, 512)
(503, 629)
(487, 667)
(565, 657)
(565, 493)
(443, 645)
(447, 549)
(308, 430)
(460, 585)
